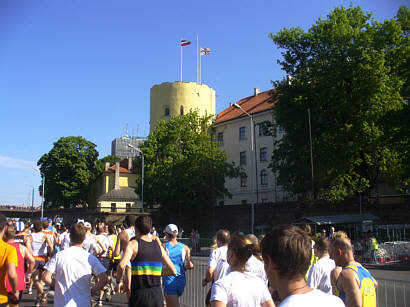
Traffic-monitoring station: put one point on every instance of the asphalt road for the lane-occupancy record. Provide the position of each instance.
(389, 293)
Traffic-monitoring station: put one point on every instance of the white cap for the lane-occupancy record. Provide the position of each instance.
(87, 225)
(171, 229)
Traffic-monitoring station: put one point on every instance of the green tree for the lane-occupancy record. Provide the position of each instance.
(184, 167)
(352, 73)
(69, 168)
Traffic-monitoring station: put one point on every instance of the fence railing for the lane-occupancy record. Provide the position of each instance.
(194, 294)
(393, 293)
(390, 293)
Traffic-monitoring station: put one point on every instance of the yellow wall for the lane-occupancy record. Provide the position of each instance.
(108, 181)
(190, 95)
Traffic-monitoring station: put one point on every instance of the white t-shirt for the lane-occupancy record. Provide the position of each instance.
(319, 275)
(314, 298)
(216, 256)
(73, 268)
(89, 243)
(65, 240)
(240, 289)
(222, 269)
(104, 241)
(255, 266)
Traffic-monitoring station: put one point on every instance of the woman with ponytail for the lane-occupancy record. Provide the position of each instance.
(239, 287)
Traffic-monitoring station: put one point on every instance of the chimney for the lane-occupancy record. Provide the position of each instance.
(256, 91)
(129, 163)
(117, 174)
(107, 165)
(289, 78)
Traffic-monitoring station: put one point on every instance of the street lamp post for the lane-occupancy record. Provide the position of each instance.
(142, 175)
(32, 200)
(252, 169)
(42, 194)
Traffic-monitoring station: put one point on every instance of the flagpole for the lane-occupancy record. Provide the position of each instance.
(200, 69)
(197, 55)
(180, 45)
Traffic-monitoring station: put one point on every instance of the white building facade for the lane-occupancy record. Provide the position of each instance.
(257, 184)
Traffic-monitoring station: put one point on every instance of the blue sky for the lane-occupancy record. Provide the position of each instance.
(85, 67)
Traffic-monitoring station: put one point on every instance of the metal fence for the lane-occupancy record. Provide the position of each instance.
(390, 293)
(194, 294)
(393, 293)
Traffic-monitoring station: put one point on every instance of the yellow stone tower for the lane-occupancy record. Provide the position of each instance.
(178, 98)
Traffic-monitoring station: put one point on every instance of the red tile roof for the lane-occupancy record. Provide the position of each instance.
(123, 167)
(122, 170)
(252, 104)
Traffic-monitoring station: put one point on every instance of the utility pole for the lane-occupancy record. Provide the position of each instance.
(311, 156)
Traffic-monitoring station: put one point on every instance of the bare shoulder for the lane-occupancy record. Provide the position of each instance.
(349, 276)
(133, 243)
(123, 235)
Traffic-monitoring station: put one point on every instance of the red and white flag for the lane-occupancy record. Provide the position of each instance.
(205, 51)
(185, 43)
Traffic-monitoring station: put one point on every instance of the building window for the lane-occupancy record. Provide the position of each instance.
(243, 180)
(242, 158)
(242, 133)
(113, 207)
(264, 177)
(128, 207)
(220, 137)
(263, 154)
(166, 112)
(244, 201)
(262, 130)
(181, 110)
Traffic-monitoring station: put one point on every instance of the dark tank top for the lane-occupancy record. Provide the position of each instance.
(146, 267)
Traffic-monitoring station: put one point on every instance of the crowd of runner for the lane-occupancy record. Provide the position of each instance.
(86, 264)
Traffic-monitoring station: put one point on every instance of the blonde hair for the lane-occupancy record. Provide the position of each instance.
(340, 235)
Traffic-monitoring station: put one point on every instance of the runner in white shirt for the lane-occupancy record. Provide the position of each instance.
(217, 264)
(286, 252)
(222, 239)
(103, 245)
(319, 274)
(240, 288)
(65, 239)
(122, 241)
(41, 246)
(89, 244)
(73, 268)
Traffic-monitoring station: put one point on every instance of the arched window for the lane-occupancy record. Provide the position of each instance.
(264, 177)
(166, 111)
(181, 110)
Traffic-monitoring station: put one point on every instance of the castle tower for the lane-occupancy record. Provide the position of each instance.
(178, 98)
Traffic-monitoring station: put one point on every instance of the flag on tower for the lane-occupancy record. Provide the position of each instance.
(185, 43)
(205, 51)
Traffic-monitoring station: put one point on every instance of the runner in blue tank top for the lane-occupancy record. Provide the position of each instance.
(178, 253)
(355, 285)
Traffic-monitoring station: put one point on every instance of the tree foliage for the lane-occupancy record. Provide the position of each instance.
(352, 73)
(69, 168)
(184, 169)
